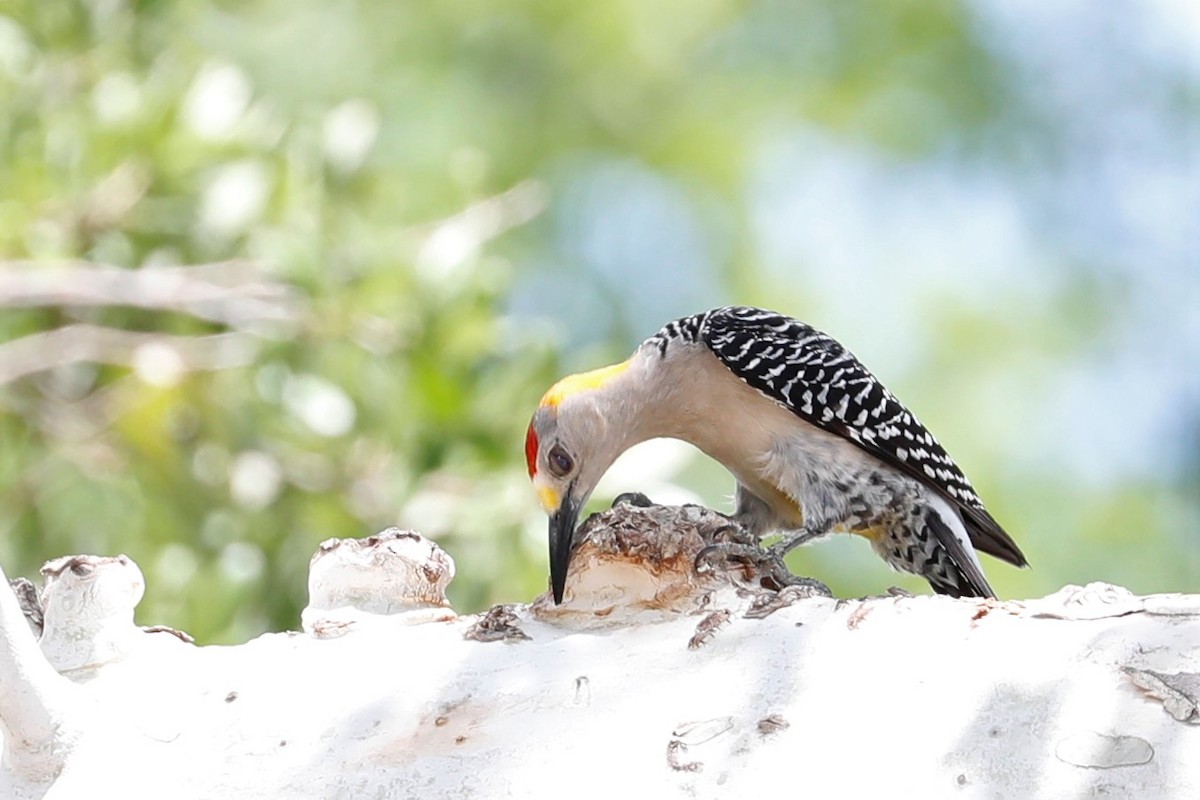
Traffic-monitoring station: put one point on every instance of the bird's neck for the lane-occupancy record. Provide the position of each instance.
(688, 394)
(648, 396)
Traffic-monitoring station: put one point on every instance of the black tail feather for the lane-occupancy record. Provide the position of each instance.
(969, 577)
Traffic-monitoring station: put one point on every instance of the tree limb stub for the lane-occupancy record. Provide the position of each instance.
(651, 679)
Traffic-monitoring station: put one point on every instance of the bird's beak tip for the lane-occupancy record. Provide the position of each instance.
(562, 533)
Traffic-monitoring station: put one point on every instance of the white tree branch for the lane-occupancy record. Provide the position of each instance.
(36, 718)
(156, 353)
(229, 292)
(652, 680)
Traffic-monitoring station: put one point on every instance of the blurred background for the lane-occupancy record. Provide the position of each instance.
(280, 270)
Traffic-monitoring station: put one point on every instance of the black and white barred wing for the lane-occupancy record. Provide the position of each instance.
(823, 383)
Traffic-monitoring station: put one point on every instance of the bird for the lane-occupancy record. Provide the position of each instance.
(815, 442)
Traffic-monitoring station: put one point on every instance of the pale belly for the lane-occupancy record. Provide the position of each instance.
(825, 484)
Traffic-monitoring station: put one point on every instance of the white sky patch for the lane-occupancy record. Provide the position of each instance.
(321, 405)
(431, 510)
(350, 132)
(216, 101)
(158, 364)
(116, 98)
(255, 479)
(16, 53)
(234, 198)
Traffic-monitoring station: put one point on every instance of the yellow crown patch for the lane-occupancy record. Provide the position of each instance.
(574, 384)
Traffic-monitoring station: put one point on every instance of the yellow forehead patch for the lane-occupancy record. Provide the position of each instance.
(574, 384)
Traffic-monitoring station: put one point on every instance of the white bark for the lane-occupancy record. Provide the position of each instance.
(650, 681)
(36, 718)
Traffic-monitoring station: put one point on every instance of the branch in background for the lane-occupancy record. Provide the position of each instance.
(229, 293)
(158, 357)
(450, 241)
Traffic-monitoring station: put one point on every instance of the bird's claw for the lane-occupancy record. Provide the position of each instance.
(733, 533)
(810, 586)
(790, 542)
(748, 554)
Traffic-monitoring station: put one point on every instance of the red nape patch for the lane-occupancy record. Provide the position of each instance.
(531, 450)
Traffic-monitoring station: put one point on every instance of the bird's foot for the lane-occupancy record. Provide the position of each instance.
(760, 564)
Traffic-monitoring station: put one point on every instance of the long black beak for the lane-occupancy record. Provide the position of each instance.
(562, 531)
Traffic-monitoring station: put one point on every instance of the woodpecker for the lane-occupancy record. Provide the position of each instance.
(815, 442)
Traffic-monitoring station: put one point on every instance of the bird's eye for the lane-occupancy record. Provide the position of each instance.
(559, 461)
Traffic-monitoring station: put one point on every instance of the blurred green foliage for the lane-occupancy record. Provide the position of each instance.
(403, 179)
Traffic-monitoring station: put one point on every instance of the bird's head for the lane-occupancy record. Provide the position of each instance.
(578, 430)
